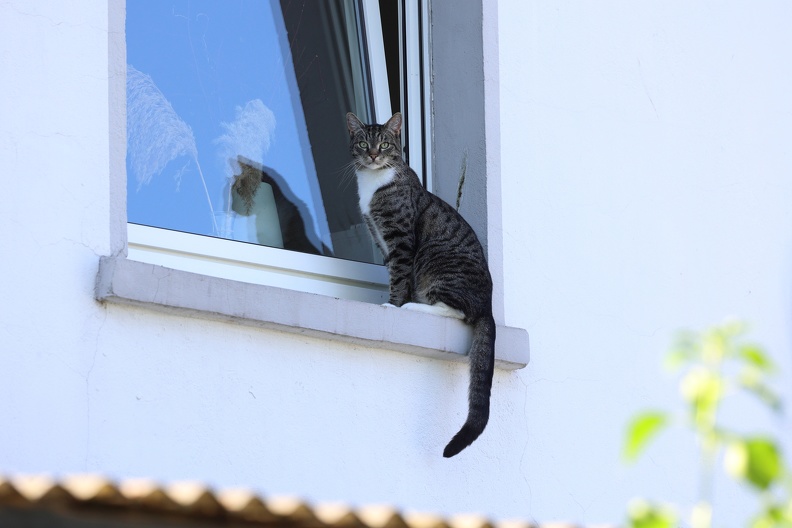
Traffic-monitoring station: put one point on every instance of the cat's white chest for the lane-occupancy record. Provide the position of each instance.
(369, 181)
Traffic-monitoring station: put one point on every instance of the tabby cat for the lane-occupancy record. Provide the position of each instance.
(435, 261)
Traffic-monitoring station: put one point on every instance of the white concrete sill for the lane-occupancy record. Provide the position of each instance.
(125, 281)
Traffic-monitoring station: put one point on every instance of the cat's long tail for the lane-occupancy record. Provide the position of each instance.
(482, 364)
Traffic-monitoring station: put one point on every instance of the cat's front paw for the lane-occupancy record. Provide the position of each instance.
(389, 305)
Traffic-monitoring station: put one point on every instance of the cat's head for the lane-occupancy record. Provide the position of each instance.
(375, 146)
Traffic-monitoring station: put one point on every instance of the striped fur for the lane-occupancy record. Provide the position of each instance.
(432, 253)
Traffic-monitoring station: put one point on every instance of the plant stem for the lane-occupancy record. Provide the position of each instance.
(206, 191)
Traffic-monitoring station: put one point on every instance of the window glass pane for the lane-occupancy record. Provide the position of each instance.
(236, 119)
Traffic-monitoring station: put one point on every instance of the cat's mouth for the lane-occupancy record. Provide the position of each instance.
(376, 164)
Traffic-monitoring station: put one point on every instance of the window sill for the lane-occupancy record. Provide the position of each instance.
(125, 281)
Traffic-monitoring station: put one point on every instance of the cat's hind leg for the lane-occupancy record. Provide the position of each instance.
(438, 308)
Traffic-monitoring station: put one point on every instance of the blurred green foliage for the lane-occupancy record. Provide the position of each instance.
(713, 365)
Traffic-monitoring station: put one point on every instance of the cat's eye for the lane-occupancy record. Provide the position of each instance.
(384, 145)
(363, 145)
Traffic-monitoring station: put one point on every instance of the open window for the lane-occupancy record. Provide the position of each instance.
(237, 162)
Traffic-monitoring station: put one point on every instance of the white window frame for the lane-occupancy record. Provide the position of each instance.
(256, 264)
(324, 275)
(123, 282)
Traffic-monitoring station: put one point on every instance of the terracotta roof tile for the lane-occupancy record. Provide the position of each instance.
(146, 500)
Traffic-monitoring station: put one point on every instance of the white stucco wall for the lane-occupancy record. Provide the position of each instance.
(647, 177)
(132, 392)
(645, 164)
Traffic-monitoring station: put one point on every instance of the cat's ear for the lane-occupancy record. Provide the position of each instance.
(353, 124)
(394, 124)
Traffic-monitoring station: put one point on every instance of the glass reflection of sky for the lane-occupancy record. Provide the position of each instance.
(215, 81)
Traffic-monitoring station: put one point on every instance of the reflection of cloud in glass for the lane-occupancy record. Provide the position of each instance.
(247, 135)
(156, 135)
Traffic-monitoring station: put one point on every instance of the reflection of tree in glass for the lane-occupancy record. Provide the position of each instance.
(156, 135)
(247, 135)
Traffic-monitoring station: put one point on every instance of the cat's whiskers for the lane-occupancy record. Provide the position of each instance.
(347, 173)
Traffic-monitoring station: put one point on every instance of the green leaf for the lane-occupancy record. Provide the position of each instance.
(751, 381)
(643, 514)
(755, 356)
(676, 358)
(774, 516)
(641, 430)
(731, 328)
(701, 515)
(715, 345)
(686, 349)
(756, 461)
(703, 390)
